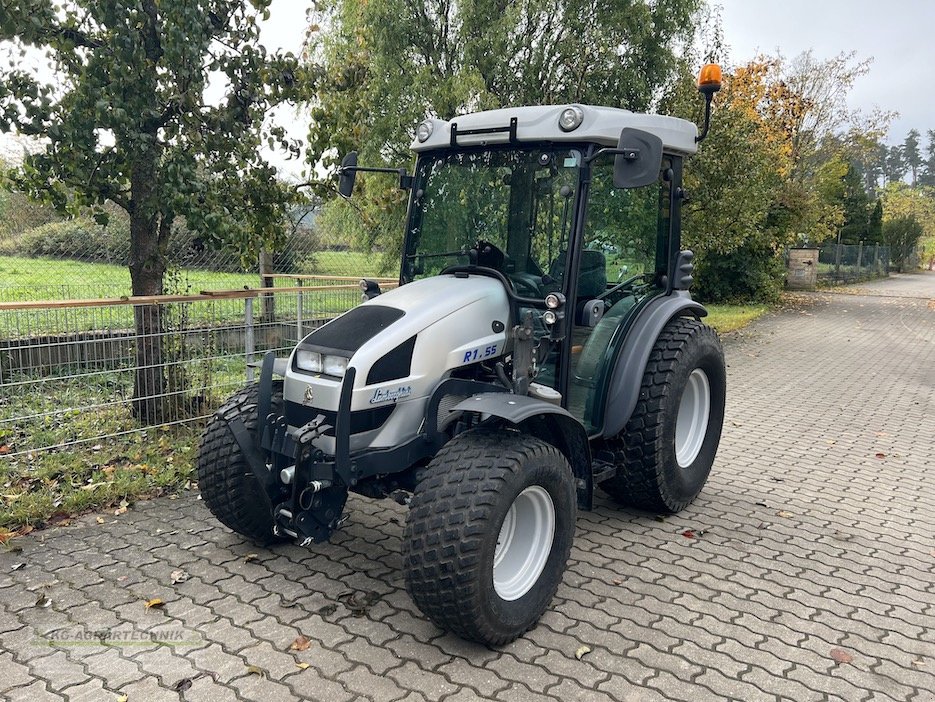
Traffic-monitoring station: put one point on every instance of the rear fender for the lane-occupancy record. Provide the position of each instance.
(548, 422)
(627, 377)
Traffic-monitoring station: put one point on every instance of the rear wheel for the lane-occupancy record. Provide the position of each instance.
(666, 451)
(489, 532)
(228, 486)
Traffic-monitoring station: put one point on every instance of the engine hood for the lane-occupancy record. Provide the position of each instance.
(403, 342)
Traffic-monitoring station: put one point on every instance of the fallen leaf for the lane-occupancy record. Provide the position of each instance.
(301, 666)
(618, 581)
(4, 449)
(582, 651)
(918, 661)
(100, 520)
(784, 514)
(301, 643)
(17, 566)
(762, 504)
(841, 656)
(288, 603)
(178, 576)
(182, 685)
(253, 670)
(123, 698)
(879, 455)
(155, 602)
(358, 603)
(250, 557)
(43, 601)
(324, 610)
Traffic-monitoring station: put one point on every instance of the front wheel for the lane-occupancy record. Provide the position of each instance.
(489, 532)
(228, 486)
(666, 450)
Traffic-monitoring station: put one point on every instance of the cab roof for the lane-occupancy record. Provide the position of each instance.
(601, 125)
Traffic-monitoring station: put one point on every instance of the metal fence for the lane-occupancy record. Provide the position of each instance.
(68, 368)
(847, 263)
(77, 259)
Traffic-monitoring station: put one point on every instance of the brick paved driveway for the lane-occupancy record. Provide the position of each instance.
(809, 577)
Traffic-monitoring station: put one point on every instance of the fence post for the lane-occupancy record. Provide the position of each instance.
(249, 341)
(298, 312)
(837, 262)
(876, 260)
(268, 302)
(860, 254)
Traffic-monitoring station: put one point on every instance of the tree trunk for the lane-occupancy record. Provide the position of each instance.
(149, 235)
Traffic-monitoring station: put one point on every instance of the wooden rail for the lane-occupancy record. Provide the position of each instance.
(204, 295)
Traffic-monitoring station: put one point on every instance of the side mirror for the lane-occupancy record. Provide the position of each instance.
(639, 159)
(347, 174)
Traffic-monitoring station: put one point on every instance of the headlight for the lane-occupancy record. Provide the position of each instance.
(335, 365)
(424, 131)
(308, 360)
(549, 317)
(554, 300)
(570, 119)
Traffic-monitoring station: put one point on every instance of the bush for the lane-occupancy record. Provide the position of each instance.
(78, 239)
(752, 273)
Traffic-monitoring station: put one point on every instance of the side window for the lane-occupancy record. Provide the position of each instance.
(621, 264)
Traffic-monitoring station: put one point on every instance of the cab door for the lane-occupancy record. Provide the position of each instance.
(622, 265)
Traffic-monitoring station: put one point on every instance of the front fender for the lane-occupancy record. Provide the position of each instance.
(548, 422)
(623, 391)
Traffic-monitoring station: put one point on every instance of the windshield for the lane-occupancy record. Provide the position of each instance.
(512, 206)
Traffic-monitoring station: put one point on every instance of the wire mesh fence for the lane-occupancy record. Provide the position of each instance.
(73, 373)
(78, 259)
(846, 263)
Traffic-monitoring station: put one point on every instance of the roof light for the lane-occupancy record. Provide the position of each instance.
(424, 131)
(709, 79)
(571, 118)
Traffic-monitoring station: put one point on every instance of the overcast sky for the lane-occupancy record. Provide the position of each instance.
(897, 34)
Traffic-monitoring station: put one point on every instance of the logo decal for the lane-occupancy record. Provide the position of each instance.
(309, 395)
(387, 395)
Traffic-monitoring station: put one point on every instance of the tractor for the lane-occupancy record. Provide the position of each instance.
(542, 342)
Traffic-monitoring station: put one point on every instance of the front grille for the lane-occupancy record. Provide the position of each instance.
(361, 421)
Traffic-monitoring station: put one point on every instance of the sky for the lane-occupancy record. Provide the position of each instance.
(896, 34)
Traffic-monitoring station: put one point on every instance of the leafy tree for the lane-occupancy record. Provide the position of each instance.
(875, 227)
(902, 235)
(857, 209)
(384, 65)
(903, 202)
(127, 121)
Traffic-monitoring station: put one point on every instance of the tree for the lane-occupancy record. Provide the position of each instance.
(928, 167)
(127, 121)
(902, 235)
(384, 65)
(903, 202)
(912, 157)
(857, 209)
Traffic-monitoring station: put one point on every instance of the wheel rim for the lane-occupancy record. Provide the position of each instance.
(524, 543)
(691, 425)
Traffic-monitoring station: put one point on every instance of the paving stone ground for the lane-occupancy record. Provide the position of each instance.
(810, 576)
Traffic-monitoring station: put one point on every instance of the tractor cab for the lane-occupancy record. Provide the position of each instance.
(575, 208)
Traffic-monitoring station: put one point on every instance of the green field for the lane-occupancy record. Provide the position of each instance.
(23, 278)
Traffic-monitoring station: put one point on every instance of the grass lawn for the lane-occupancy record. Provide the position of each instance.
(728, 318)
(23, 278)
